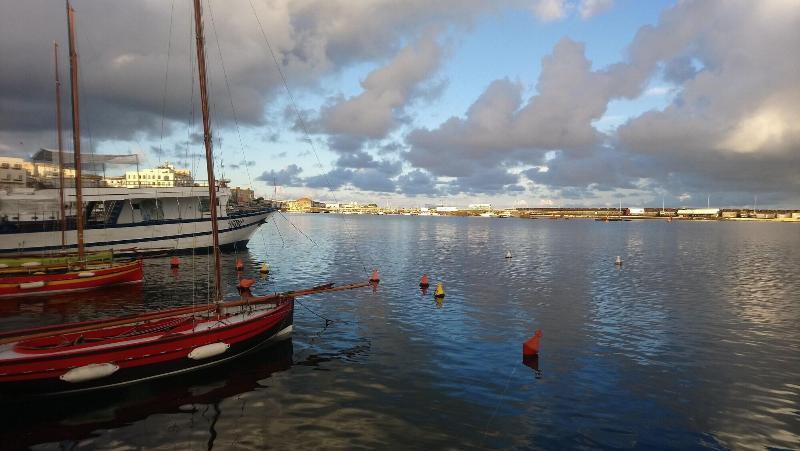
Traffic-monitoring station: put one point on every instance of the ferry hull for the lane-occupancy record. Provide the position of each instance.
(171, 235)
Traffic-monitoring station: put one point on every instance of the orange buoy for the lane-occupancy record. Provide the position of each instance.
(239, 264)
(439, 293)
(245, 284)
(174, 262)
(531, 346)
(374, 278)
(423, 282)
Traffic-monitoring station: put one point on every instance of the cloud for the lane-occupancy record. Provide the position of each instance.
(550, 10)
(732, 124)
(288, 176)
(418, 183)
(124, 65)
(591, 8)
(498, 127)
(387, 90)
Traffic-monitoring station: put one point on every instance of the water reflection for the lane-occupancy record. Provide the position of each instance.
(693, 344)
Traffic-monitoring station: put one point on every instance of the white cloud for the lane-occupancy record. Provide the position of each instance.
(550, 10)
(590, 8)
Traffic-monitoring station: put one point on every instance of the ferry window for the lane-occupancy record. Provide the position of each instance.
(204, 205)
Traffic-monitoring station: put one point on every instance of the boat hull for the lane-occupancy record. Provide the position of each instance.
(44, 284)
(153, 237)
(146, 359)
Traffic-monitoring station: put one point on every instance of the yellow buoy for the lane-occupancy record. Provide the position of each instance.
(439, 293)
(264, 268)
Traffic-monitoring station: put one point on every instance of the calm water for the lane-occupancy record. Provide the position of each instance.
(694, 343)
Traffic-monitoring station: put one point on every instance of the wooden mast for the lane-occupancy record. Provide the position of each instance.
(212, 195)
(60, 150)
(76, 128)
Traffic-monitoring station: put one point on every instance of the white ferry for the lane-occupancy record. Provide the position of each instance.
(141, 220)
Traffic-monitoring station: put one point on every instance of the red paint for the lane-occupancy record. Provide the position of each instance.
(531, 347)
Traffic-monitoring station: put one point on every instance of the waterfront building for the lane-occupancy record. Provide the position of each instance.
(708, 213)
(242, 196)
(304, 204)
(165, 175)
(480, 207)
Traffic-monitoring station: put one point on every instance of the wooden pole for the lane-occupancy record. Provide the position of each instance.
(60, 151)
(212, 193)
(76, 129)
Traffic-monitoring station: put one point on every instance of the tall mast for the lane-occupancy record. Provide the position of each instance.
(76, 127)
(212, 194)
(60, 150)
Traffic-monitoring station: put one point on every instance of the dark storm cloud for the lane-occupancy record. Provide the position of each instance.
(123, 49)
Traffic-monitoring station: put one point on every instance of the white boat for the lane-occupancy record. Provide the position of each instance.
(488, 214)
(145, 220)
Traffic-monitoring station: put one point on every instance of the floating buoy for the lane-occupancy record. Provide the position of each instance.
(174, 262)
(239, 264)
(439, 293)
(531, 346)
(508, 254)
(374, 278)
(244, 286)
(264, 269)
(423, 282)
(618, 261)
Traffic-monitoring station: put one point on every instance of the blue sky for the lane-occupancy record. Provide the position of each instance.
(538, 102)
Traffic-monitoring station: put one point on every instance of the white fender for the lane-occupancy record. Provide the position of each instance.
(31, 264)
(86, 274)
(210, 350)
(29, 285)
(89, 372)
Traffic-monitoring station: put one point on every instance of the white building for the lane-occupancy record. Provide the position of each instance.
(13, 173)
(486, 207)
(164, 175)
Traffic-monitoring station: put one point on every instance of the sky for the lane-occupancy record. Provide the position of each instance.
(411, 103)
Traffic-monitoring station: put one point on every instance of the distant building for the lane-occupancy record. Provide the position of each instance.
(13, 173)
(165, 175)
(709, 213)
(446, 209)
(482, 207)
(242, 196)
(304, 204)
(17, 172)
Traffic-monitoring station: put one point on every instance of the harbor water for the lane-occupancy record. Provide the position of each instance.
(692, 343)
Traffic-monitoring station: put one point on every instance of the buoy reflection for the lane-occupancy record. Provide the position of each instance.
(533, 363)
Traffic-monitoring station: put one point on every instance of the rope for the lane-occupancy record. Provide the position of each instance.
(166, 78)
(497, 407)
(304, 127)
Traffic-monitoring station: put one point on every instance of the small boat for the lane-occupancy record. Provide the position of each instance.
(41, 282)
(23, 262)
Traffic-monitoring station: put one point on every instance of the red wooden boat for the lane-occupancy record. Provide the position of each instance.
(120, 351)
(90, 277)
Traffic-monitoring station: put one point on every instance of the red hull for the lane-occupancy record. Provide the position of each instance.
(146, 350)
(35, 284)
